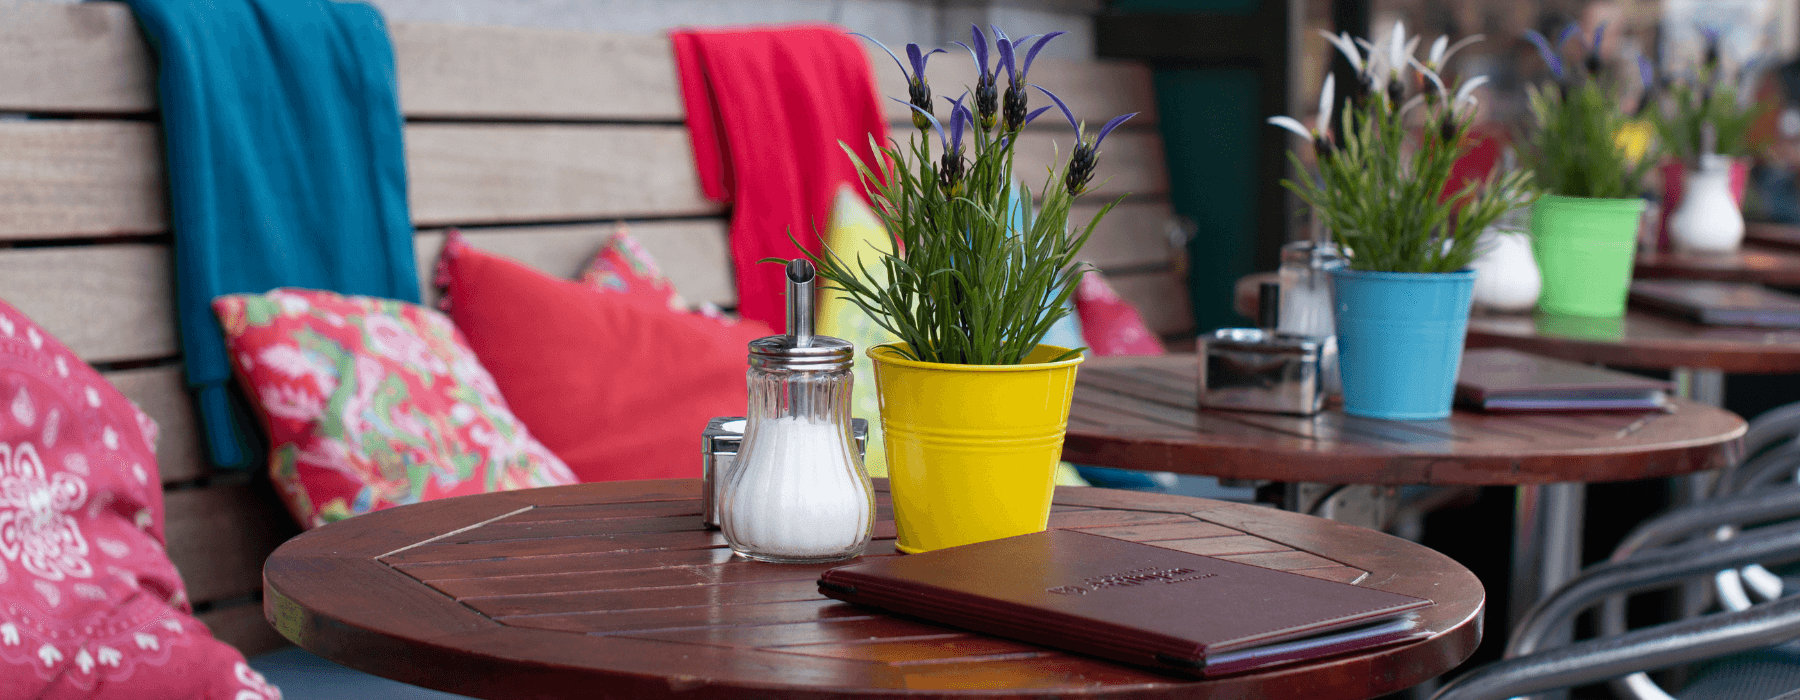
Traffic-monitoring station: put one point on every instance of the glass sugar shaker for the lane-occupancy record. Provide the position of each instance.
(797, 491)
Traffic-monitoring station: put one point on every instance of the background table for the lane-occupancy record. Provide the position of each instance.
(615, 590)
(1775, 267)
(1698, 355)
(1772, 235)
(1143, 413)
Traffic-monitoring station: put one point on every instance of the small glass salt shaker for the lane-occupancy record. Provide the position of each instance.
(797, 491)
(1306, 310)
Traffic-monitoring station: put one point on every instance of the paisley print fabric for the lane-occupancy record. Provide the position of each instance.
(90, 606)
(371, 403)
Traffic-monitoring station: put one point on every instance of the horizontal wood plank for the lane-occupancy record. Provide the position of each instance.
(86, 57)
(243, 626)
(162, 393)
(694, 255)
(1161, 297)
(106, 302)
(219, 536)
(90, 58)
(79, 178)
(62, 179)
(1135, 233)
(489, 72)
(502, 173)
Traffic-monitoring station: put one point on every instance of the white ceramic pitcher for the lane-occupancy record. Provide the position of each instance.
(1708, 220)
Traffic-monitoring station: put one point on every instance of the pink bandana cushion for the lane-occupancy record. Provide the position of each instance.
(371, 403)
(1110, 324)
(624, 267)
(90, 605)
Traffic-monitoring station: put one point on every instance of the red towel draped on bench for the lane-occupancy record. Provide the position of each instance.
(766, 109)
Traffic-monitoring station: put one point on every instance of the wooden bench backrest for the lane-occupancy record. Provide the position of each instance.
(533, 141)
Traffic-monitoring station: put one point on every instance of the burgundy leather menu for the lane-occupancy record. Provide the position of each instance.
(1498, 379)
(1719, 303)
(1131, 602)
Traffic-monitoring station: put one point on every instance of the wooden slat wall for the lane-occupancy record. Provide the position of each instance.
(533, 141)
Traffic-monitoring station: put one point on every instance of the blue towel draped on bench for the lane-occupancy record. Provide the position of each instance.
(283, 134)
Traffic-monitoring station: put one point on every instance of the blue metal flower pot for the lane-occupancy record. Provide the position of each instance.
(1400, 340)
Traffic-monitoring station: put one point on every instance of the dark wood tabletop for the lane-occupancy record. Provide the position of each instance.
(1142, 413)
(1773, 235)
(614, 590)
(1642, 338)
(1775, 267)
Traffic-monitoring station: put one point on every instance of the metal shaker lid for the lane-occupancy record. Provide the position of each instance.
(800, 349)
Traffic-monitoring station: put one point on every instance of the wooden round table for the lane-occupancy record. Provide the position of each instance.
(1643, 339)
(1772, 235)
(615, 590)
(1143, 413)
(1775, 267)
(1698, 355)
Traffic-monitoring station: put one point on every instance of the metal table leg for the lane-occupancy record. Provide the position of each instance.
(1547, 543)
(1705, 386)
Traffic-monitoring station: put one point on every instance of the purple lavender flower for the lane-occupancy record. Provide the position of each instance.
(916, 86)
(1085, 155)
(950, 173)
(1549, 54)
(1593, 57)
(987, 92)
(1013, 102)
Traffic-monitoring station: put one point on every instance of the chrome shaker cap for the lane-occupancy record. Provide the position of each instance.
(800, 349)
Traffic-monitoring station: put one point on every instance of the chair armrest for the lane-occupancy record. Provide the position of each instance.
(1649, 648)
(1648, 569)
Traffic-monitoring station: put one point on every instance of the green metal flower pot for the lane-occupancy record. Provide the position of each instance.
(1584, 247)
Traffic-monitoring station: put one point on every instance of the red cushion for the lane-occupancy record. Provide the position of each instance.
(619, 388)
(1110, 325)
(371, 403)
(90, 606)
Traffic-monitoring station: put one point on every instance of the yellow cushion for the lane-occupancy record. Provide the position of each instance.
(855, 232)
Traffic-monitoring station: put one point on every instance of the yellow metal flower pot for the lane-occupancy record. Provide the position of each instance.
(972, 449)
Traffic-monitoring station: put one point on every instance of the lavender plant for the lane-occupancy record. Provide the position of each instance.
(976, 277)
(1381, 186)
(1710, 94)
(1578, 148)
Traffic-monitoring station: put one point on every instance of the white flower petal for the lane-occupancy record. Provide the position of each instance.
(1292, 124)
(1458, 46)
(1346, 46)
(1327, 96)
(1429, 75)
(1397, 46)
(1467, 91)
(1437, 49)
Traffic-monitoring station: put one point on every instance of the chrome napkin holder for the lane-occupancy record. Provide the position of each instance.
(718, 450)
(1259, 369)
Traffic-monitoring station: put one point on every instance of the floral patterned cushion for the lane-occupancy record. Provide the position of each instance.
(90, 606)
(371, 403)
